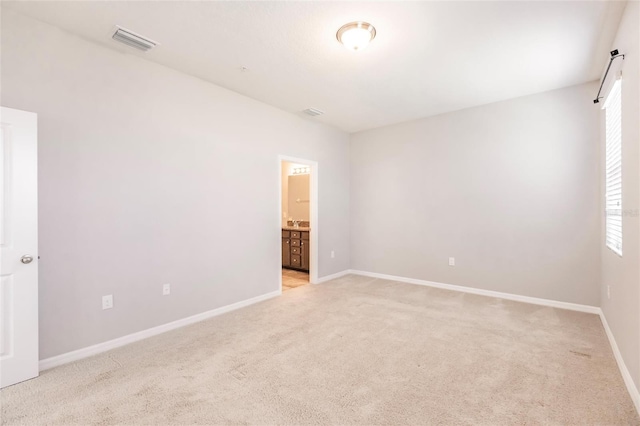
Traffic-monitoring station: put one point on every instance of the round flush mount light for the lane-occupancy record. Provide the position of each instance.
(356, 35)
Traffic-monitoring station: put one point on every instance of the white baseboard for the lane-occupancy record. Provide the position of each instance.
(481, 292)
(68, 357)
(332, 276)
(626, 376)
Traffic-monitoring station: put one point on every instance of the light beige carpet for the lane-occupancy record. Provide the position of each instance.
(352, 351)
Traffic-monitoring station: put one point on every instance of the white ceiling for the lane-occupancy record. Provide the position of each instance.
(427, 58)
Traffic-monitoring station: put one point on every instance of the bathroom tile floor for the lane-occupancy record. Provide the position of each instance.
(292, 279)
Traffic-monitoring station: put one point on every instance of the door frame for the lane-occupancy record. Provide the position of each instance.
(313, 216)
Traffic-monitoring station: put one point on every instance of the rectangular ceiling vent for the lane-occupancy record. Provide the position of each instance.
(313, 112)
(134, 40)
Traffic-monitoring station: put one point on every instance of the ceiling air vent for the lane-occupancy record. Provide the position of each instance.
(313, 112)
(132, 39)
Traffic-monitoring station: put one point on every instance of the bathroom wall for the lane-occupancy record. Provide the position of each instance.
(295, 194)
(284, 184)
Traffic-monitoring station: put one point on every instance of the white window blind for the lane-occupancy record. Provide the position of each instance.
(613, 169)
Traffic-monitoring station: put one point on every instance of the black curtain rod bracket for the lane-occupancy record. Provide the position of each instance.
(614, 54)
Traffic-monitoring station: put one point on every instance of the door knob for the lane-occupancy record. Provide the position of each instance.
(26, 259)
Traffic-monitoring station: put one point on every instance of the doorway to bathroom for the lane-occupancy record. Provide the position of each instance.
(298, 222)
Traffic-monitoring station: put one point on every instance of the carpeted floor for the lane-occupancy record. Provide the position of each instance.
(352, 351)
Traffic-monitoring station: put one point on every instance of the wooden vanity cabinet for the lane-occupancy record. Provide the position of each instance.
(304, 245)
(295, 250)
(286, 249)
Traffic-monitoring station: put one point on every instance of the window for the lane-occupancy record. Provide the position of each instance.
(613, 169)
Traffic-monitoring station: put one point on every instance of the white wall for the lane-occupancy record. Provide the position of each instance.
(622, 274)
(149, 176)
(510, 189)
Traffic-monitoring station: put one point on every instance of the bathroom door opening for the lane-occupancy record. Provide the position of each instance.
(298, 222)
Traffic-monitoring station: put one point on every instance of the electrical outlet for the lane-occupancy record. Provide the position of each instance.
(608, 292)
(452, 261)
(333, 254)
(166, 289)
(107, 302)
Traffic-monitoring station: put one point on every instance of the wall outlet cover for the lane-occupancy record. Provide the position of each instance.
(107, 301)
(452, 261)
(166, 289)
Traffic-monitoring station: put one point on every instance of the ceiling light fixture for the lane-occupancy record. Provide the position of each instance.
(356, 35)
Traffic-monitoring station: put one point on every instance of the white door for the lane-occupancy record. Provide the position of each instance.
(19, 243)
